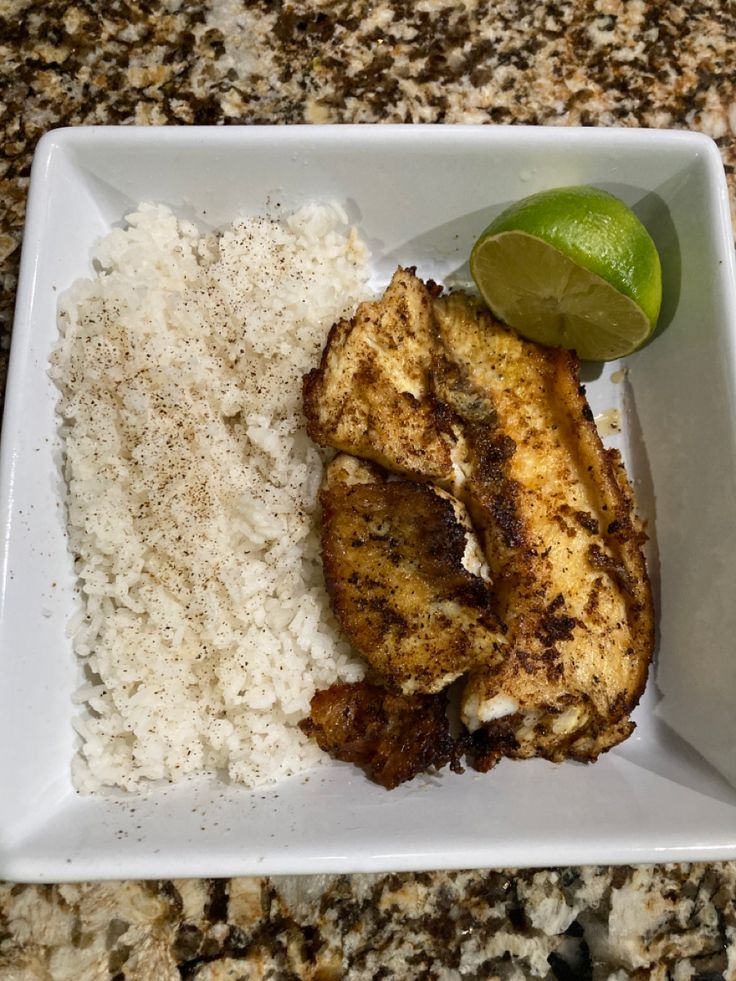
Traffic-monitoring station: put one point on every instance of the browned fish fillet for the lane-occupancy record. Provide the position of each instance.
(437, 390)
(371, 395)
(394, 557)
(391, 737)
(555, 513)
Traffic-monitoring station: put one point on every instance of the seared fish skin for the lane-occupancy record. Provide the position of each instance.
(503, 425)
(391, 737)
(393, 555)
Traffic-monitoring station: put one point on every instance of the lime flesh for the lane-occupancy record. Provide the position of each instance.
(552, 300)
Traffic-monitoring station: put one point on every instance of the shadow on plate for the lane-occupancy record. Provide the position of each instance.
(115, 205)
(442, 251)
(676, 760)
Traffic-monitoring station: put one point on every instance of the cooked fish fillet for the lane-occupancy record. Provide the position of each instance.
(436, 389)
(397, 559)
(555, 514)
(391, 737)
(371, 394)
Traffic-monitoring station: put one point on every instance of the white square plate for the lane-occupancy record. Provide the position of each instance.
(420, 195)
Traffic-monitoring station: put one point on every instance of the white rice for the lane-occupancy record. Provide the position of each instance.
(192, 487)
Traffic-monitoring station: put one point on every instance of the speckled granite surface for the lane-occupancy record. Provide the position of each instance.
(667, 924)
(240, 61)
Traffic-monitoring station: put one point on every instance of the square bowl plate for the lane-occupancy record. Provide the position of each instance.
(420, 195)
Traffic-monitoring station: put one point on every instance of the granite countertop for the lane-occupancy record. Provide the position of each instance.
(598, 62)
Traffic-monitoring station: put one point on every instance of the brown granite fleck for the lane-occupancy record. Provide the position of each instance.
(555, 62)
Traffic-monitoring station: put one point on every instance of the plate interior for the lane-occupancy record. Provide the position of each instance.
(420, 196)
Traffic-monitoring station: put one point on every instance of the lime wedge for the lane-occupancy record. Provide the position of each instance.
(574, 268)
